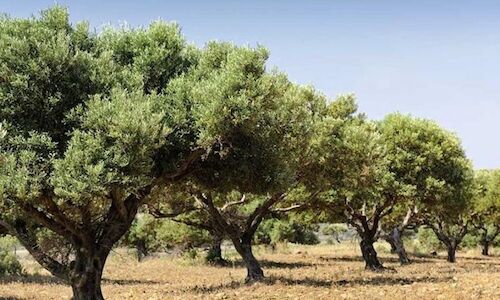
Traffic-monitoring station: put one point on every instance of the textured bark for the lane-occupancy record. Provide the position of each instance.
(86, 274)
(370, 255)
(452, 249)
(254, 271)
(399, 246)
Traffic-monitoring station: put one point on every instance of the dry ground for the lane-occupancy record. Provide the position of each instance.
(294, 272)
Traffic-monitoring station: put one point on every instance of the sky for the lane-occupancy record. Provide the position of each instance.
(432, 59)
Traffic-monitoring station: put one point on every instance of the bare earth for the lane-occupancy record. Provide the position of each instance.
(294, 272)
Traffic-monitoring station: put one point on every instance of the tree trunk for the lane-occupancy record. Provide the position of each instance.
(214, 255)
(389, 240)
(486, 246)
(254, 271)
(142, 250)
(86, 274)
(452, 249)
(399, 246)
(370, 255)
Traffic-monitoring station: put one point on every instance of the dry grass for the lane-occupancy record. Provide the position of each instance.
(294, 272)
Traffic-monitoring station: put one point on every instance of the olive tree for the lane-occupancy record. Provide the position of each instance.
(421, 153)
(486, 217)
(446, 203)
(93, 124)
(267, 122)
(349, 165)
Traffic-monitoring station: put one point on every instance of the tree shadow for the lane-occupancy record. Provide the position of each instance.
(31, 278)
(314, 282)
(49, 279)
(130, 281)
(376, 281)
(268, 264)
(342, 258)
(486, 260)
(419, 260)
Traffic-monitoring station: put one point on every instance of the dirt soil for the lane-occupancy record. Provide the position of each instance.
(292, 271)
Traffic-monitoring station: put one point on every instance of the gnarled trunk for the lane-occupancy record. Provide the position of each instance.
(399, 246)
(370, 255)
(244, 249)
(85, 274)
(254, 271)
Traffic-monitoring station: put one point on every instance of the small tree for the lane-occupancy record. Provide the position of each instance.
(486, 217)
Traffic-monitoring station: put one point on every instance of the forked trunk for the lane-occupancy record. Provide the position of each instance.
(399, 246)
(86, 275)
(370, 255)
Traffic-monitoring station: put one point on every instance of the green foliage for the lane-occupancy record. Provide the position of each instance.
(9, 265)
(163, 234)
(334, 229)
(274, 231)
(428, 241)
(8, 243)
(471, 240)
(434, 177)
(487, 198)
(349, 164)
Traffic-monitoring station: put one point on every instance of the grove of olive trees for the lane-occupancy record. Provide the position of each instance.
(99, 126)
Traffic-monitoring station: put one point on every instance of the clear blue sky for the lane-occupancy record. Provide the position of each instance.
(433, 59)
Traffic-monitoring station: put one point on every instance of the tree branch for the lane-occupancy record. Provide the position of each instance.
(229, 204)
(28, 240)
(286, 209)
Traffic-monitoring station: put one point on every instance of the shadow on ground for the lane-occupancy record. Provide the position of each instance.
(313, 282)
(48, 279)
(268, 264)
(417, 260)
